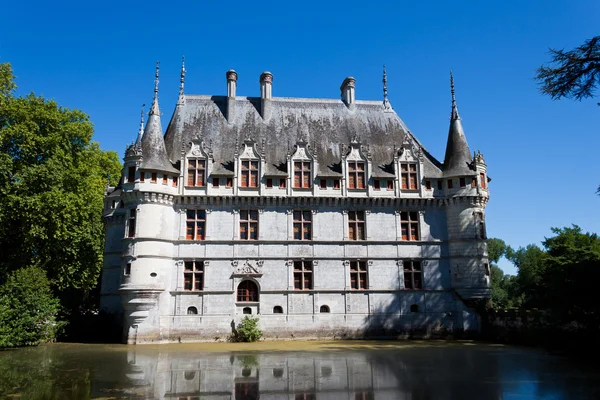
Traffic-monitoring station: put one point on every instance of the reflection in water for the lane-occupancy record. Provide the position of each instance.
(344, 370)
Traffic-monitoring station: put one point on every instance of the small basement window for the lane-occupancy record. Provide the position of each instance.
(277, 310)
(247, 310)
(324, 309)
(192, 311)
(414, 308)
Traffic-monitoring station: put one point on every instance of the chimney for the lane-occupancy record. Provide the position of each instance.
(231, 89)
(347, 90)
(266, 93)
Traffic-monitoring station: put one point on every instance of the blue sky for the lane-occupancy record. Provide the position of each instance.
(99, 57)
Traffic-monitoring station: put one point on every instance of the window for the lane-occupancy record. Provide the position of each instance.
(428, 184)
(165, 179)
(413, 275)
(142, 176)
(247, 291)
(189, 375)
(324, 309)
(303, 275)
(131, 174)
(229, 182)
(483, 181)
(269, 182)
(302, 174)
(462, 182)
(390, 184)
(196, 172)
(215, 182)
(175, 181)
(246, 391)
(408, 174)
(480, 223)
(364, 396)
(192, 311)
(277, 310)
(409, 225)
(473, 182)
(450, 184)
(196, 223)
(356, 225)
(247, 310)
(356, 175)
(323, 184)
(302, 224)
(439, 185)
(249, 173)
(336, 184)
(193, 275)
(305, 396)
(414, 308)
(277, 372)
(282, 183)
(376, 184)
(153, 179)
(127, 271)
(132, 215)
(358, 275)
(249, 224)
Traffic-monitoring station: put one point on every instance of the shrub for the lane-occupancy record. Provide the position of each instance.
(27, 309)
(247, 330)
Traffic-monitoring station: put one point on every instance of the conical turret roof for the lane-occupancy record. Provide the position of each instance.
(458, 156)
(154, 152)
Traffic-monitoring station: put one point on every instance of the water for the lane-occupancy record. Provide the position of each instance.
(294, 370)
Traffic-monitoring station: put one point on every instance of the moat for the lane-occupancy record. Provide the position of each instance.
(294, 370)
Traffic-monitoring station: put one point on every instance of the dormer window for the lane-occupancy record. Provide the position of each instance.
(408, 175)
(356, 174)
(196, 173)
(302, 174)
(249, 173)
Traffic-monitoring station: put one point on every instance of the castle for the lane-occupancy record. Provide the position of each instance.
(323, 217)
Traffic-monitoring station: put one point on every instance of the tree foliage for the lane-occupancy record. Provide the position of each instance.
(247, 330)
(28, 309)
(572, 74)
(52, 180)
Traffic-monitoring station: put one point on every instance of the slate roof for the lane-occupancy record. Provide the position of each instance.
(458, 160)
(326, 124)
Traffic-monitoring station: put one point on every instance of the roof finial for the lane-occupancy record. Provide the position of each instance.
(141, 131)
(454, 106)
(154, 108)
(182, 79)
(386, 102)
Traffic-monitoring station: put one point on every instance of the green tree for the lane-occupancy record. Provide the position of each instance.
(28, 309)
(52, 179)
(571, 275)
(572, 74)
(529, 262)
(503, 287)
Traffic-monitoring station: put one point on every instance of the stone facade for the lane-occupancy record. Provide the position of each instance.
(325, 218)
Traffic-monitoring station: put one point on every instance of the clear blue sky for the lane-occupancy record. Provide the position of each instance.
(542, 154)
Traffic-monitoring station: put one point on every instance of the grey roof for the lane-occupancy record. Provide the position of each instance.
(326, 124)
(154, 153)
(458, 159)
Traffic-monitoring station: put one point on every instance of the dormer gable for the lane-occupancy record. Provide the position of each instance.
(357, 165)
(303, 164)
(248, 164)
(198, 162)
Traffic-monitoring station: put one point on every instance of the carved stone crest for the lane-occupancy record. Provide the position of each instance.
(248, 268)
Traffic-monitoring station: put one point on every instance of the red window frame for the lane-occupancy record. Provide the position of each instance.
(302, 224)
(195, 225)
(193, 276)
(249, 224)
(356, 175)
(408, 175)
(413, 275)
(356, 225)
(303, 275)
(359, 278)
(249, 175)
(196, 173)
(302, 175)
(247, 291)
(409, 225)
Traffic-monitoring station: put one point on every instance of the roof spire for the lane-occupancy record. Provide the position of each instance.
(182, 79)
(386, 102)
(154, 109)
(141, 131)
(454, 114)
